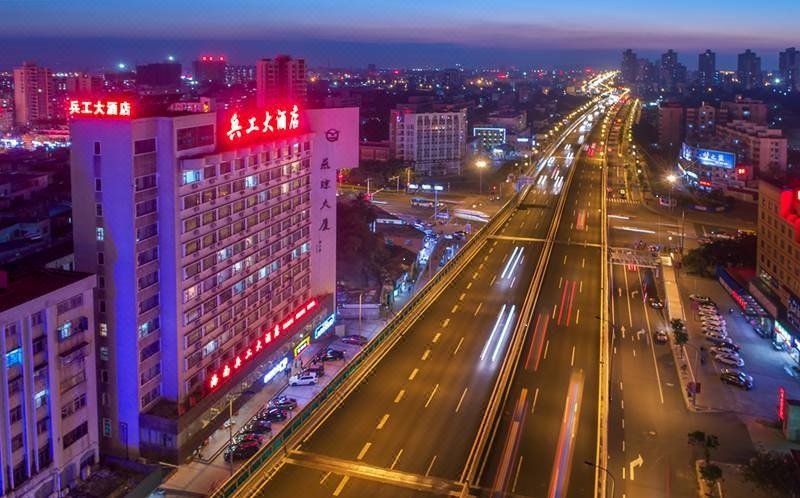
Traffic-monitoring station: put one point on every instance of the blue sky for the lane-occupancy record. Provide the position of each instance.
(452, 28)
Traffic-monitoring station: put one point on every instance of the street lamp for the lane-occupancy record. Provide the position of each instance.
(613, 481)
(481, 164)
(671, 179)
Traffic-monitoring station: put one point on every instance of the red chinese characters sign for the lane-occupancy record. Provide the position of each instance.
(100, 108)
(265, 124)
(261, 343)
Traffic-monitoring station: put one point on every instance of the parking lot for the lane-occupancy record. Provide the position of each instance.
(769, 368)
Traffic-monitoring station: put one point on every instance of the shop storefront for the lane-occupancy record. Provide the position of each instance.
(751, 309)
(787, 338)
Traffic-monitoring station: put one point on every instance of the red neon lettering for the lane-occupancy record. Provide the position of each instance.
(311, 305)
(214, 381)
(74, 107)
(268, 338)
(226, 372)
(258, 345)
(781, 403)
(288, 323)
(238, 362)
(299, 314)
(248, 354)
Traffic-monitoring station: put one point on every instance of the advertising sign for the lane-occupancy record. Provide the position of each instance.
(716, 158)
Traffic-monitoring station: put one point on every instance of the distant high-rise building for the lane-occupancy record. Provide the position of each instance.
(629, 67)
(670, 123)
(748, 69)
(159, 74)
(84, 84)
(707, 68)
(281, 79)
(670, 72)
(789, 67)
(33, 94)
(209, 69)
(746, 109)
(647, 72)
(433, 143)
(239, 75)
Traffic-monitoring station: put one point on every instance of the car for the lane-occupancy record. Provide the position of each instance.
(240, 437)
(655, 303)
(282, 402)
(698, 298)
(661, 336)
(708, 310)
(724, 348)
(329, 355)
(358, 340)
(715, 333)
(303, 379)
(734, 361)
(459, 235)
(257, 426)
(316, 369)
(717, 339)
(713, 322)
(714, 326)
(272, 415)
(707, 306)
(736, 378)
(240, 451)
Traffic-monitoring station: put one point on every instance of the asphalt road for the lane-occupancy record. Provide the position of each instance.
(410, 427)
(563, 341)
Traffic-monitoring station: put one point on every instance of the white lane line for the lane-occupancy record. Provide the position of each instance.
(493, 279)
(478, 309)
(462, 296)
(363, 450)
(382, 422)
(474, 275)
(427, 472)
(546, 345)
(426, 354)
(580, 287)
(513, 280)
(399, 395)
(458, 346)
(622, 404)
(554, 311)
(340, 487)
(445, 322)
(480, 266)
(623, 446)
(455, 308)
(396, 459)
(560, 281)
(469, 285)
(435, 388)
(461, 400)
(620, 385)
(583, 262)
(623, 423)
(485, 258)
(413, 374)
(565, 259)
(324, 478)
(494, 244)
(535, 397)
(516, 476)
(577, 315)
(491, 249)
(436, 337)
(634, 353)
(572, 360)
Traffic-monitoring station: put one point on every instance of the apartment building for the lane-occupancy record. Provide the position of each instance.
(48, 421)
(34, 94)
(764, 148)
(433, 143)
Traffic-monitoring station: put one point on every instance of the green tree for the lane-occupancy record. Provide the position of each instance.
(706, 442)
(711, 473)
(696, 262)
(775, 473)
(679, 332)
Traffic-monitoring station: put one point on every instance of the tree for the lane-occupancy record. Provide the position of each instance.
(679, 332)
(706, 442)
(710, 473)
(776, 473)
(696, 262)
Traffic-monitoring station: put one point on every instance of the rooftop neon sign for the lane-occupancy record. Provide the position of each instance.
(100, 108)
(244, 125)
(229, 368)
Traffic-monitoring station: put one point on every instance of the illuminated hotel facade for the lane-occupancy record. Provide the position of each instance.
(211, 236)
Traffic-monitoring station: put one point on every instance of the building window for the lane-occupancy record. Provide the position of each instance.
(16, 442)
(148, 280)
(144, 146)
(106, 427)
(39, 345)
(97, 148)
(101, 260)
(196, 136)
(145, 182)
(149, 350)
(104, 376)
(103, 353)
(192, 176)
(98, 185)
(148, 303)
(15, 414)
(75, 434)
(40, 399)
(14, 358)
(146, 207)
(98, 209)
(148, 328)
(42, 425)
(104, 399)
(101, 234)
(151, 396)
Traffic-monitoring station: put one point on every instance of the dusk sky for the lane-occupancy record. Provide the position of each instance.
(94, 33)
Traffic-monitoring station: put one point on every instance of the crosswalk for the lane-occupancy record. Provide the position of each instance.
(628, 202)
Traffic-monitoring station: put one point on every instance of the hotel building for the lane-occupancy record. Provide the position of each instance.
(212, 236)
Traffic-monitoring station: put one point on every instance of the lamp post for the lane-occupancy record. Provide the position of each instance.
(481, 164)
(671, 179)
(613, 481)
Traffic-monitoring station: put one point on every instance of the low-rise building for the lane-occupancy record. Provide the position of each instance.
(49, 436)
(433, 143)
(765, 148)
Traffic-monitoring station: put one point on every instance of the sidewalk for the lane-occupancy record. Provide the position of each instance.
(209, 470)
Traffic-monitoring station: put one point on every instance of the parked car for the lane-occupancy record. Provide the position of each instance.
(282, 402)
(736, 378)
(708, 327)
(241, 437)
(718, 334)
(717, 339)
(303, 379)
(257, 426)
(721, 348)
(699, 298)
(733, 360)
(318, 369)
(240, 451)
(358, 340)
(272, 415)
(661, 336)
(655, 303)
(329, 355)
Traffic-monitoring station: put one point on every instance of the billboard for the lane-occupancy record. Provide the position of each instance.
(708, 157)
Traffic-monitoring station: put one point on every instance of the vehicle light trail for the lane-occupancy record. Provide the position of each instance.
(494, 329)
(562, 463)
